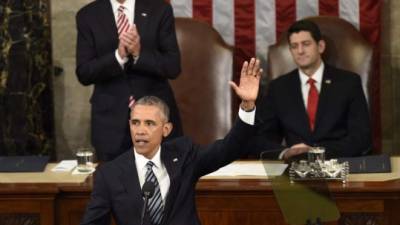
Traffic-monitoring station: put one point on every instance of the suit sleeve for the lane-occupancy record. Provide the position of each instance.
(98, 209)
(358, 139)
(91, 67)
(268, 137)
(162, 60)
(223, 152)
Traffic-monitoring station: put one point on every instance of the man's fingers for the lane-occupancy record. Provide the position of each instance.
(258, 75)
(128, 41)
(244, 68)
(127, 37)
(234, 86)
(251, 67)
(133, 29)
(132, 37)
(256, 67)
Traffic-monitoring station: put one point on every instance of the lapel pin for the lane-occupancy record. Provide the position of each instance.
(328, 81)
(144, 14)
(175, 160)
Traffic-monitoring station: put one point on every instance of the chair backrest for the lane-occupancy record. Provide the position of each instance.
(345, 49)
(202, 92)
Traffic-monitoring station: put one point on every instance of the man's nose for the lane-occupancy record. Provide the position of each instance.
(141, 129)
(300, 49)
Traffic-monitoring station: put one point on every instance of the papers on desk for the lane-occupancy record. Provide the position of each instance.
(275, 169)
(48, 176)
(250, 169)
(65, 166)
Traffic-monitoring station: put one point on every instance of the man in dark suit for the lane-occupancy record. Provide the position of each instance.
(127, 49)
(328, 111)
(177, 165)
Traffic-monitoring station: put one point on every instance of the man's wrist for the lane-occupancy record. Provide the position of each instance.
(248, 106)
(120, 59)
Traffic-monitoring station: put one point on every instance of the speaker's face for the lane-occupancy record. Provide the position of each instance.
(148, 126)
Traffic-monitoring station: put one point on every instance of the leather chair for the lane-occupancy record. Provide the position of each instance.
(202, 91)
(345, 48)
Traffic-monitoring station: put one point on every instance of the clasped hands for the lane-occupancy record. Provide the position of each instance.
(129, 43)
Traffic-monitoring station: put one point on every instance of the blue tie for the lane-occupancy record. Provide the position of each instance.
(155, 205)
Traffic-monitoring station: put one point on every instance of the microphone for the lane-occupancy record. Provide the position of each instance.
(147, 192)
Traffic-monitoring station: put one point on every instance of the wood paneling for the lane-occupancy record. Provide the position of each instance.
(219, 202)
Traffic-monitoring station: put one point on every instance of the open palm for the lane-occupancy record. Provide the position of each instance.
(249, 80)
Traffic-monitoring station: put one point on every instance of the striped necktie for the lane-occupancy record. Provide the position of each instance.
(122, 21)
(155, 205)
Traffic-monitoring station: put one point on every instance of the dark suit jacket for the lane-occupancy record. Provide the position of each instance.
(96, 64)
(117, 190)
(342, 122)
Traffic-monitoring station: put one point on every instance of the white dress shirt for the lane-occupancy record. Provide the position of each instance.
(159, 168)
(129, 9)
(159, 171)
(305, 87)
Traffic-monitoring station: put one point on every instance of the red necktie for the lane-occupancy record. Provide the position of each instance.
(122, 21)
(312, 103)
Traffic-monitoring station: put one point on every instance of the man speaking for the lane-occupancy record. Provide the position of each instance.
(165, 175)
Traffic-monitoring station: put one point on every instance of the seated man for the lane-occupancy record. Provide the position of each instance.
(173, 167)
(314, 105)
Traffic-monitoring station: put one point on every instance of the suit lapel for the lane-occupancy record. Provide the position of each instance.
(324, 96)
(298, 102)
(106, 17)
(131, 183)
(142, 13)
(171, 162)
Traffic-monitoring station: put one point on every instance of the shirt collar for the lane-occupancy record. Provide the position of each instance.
(317, 76)
(128, 4)
(141, 161)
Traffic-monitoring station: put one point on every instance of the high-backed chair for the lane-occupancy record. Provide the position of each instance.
(345, 48)
(202, 91)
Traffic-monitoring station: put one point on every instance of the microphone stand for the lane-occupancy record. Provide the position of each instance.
(144, 209)
(147, 191)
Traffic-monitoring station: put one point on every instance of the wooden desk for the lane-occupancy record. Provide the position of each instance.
(220, 202)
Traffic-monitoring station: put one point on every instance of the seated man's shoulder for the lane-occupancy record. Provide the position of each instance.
(284, 78)
(343, 74)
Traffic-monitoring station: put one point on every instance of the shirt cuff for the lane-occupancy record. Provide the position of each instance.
(135, 59)
(283, 153)
(247, 117)
(120, 60)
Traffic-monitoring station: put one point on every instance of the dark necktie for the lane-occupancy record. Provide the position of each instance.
(312, 103)
(155, 205)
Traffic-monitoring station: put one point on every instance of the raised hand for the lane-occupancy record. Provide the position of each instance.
(249, 83)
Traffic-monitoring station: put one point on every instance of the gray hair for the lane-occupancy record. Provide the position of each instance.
(154, 101)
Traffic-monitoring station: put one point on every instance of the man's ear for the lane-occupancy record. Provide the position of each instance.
(321, 46)
(167, 128)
